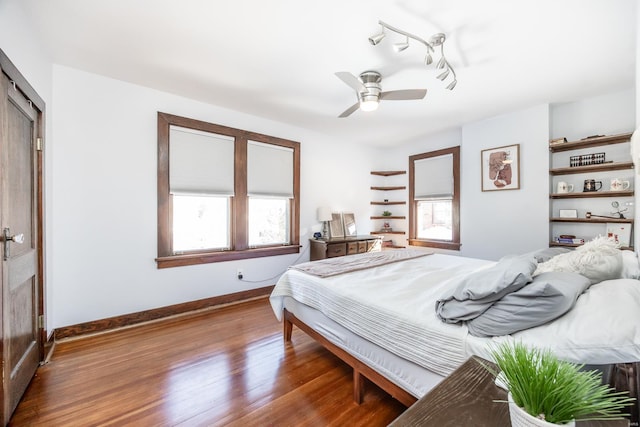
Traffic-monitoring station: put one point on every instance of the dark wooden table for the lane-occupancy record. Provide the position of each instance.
(468, 397)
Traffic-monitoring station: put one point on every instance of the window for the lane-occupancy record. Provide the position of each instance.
(434, 196)
(224, 193)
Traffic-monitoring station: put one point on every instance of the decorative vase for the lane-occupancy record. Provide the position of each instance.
(520, 418)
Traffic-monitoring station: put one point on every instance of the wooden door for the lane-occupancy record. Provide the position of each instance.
(19, 187)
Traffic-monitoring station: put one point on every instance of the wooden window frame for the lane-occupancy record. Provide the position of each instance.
(239, 202)
(453, 244)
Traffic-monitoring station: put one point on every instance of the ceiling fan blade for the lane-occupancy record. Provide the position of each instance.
(351, 80)
(399, 95)
(350, 110)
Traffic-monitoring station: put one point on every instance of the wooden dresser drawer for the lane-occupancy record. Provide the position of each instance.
(336, 249)
(352, 248)
(362, 247)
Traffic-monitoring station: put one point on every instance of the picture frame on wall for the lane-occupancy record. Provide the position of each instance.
(336, 229)
(500, 168)
(349, 222)
(568, 213)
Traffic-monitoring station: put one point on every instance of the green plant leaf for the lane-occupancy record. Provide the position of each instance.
(556, 390)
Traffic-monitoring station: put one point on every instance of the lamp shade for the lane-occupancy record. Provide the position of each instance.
(324, 214)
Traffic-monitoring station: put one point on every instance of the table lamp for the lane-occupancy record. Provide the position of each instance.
(324, 215)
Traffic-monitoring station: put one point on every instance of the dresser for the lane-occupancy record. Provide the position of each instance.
(341, 246)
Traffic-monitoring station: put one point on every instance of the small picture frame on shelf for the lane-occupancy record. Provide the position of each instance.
(568, 213)
(620, 232)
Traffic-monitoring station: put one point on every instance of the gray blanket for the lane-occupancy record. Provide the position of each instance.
(476, 292)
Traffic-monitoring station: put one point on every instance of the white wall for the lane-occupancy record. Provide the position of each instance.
(608, 114)
(497, 223)
(104, 186)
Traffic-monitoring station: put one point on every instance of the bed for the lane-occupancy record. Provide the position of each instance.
(383, 319)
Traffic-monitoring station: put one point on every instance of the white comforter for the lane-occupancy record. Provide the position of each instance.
(393, 306)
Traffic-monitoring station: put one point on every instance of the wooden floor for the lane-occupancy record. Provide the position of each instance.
(227, 366)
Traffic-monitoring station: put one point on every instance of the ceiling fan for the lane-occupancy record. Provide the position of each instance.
(370, 93)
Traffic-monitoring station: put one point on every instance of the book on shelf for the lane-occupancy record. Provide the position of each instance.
(570, 241)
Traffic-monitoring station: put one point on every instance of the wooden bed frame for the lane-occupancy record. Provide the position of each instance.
(360, 369)
(621, 376)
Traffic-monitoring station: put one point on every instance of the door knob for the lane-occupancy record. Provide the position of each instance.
(7, 237)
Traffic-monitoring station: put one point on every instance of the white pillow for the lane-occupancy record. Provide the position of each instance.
(630, 265)
(598, 260)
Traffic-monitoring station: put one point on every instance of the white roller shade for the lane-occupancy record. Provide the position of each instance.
(200, 162)
(433, 178)
(269, 170)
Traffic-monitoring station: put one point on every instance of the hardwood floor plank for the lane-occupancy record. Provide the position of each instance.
(227, 366)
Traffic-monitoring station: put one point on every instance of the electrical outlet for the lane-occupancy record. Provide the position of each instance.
(239, 274)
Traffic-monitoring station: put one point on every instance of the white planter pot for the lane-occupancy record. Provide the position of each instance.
(520, 418)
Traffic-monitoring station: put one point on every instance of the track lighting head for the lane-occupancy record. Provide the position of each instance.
(375, 39)
(399, 47)
(428, 60)
(443, 75)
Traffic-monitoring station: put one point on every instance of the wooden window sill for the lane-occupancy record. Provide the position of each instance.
(454, 246)
(211, 257)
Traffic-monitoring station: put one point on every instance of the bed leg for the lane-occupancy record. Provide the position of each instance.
(288, 329)
(358, 386)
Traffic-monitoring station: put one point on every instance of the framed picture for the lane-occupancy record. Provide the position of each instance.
(621, 232)
(568, 213)
(501, 168)
(349, 221)
(335, 226)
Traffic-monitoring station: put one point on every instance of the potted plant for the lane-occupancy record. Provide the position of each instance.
(546, 391)
(386, 213)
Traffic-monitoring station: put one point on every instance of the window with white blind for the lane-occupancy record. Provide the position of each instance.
(224, 193)
(434, 193)
(270, 188)
(201, 175)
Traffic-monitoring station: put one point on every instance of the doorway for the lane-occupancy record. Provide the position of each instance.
(22, 332)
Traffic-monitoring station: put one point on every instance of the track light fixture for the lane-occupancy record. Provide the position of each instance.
(374, 40)
(436, 40)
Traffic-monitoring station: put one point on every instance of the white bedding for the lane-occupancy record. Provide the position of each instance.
(393, 306)
(603, 327)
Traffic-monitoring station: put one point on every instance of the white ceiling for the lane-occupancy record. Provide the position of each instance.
(276, 58)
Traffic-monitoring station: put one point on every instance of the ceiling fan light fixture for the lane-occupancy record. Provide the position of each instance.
(368, 105)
